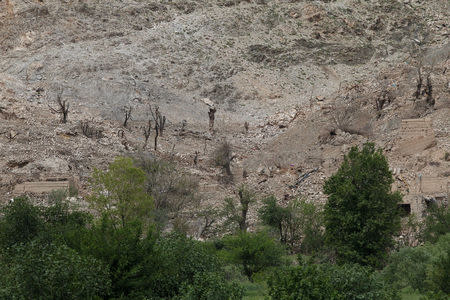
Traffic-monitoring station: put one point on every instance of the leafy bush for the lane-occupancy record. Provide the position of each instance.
(408, 267)
(21, 222)
(127, 251)
(255, 252)
(329, 282)
(437, 223)
(424, 268)
(172, 190)
(120, 193)
(211, 286)
(361, 214)
(299, 225)
(48, 271)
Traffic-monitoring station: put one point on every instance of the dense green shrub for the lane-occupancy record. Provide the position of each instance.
(180, 260)
(21, 222)
(211, 286)
(361, 214)
(255, 252)
(329, 282)
(437, 223)
(129, 259)
(408, 267)
(425, 268)
(48, 271)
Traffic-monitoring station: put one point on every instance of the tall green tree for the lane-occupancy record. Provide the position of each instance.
(120, 192)
(361, 214)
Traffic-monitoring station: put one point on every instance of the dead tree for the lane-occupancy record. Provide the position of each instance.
(160, 122)
(127, 114)
(211, 114)
(245, 198)
(89, 131)
(426, 90)
(196, 157)
(147, 131)
(11, 135)
(183, 127)
(156, 135)
(223, 157)
(419, 85)
(429, 91)
(63, 107)
(246, 126)
(383, 99)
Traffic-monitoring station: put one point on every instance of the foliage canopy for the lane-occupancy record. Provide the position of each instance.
(361, 215)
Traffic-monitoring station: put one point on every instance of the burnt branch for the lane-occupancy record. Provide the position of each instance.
(63, 107)
(127, 115)
(147, 132)
(160, 122)
(89, 131)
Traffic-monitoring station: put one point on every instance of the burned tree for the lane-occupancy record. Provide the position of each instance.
(63, 107)
(429, 91)
(127, 114)
(89, 131)
(147, 131)
(246, 126)
(160, 122)
(196, 157)
(424, 89)
(419, 85)
(211, 114)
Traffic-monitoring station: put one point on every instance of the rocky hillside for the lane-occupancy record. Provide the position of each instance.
(310, 78)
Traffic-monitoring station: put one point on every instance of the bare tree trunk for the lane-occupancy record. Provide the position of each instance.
(156, 136)
(211, 115)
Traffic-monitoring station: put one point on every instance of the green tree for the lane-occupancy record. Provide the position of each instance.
(255, 252)
(424, 268)
(21, 222)
(236, 215)
(437, 223)
(120, 192)
(361, 214)
(186, 266)
(299, 224)
(174, 192)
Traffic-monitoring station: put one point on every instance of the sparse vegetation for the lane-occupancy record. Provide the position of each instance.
(236, 216)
